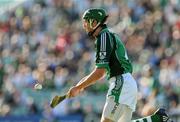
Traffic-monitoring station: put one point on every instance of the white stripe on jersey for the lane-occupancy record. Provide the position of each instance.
(103, 42)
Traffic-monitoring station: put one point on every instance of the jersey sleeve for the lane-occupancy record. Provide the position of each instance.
(103, 50)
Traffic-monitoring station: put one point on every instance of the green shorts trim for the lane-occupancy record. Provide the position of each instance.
(116, 91)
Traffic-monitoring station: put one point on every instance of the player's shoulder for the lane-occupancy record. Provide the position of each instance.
(104, 35)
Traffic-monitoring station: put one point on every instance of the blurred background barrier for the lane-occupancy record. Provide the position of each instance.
(36, 118)
(43, 40)
(20, 119)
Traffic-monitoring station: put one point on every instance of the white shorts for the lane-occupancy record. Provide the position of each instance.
(116, 112)
(122, 90)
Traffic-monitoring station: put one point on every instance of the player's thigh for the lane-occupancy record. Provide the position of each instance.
(113, 111)
(126, 115)
(106, 120)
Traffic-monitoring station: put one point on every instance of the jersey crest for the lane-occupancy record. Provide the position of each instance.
(102, 55)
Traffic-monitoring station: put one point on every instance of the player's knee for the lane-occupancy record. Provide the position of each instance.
(106, 120)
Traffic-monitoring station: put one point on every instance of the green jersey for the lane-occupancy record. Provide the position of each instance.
(111, 54)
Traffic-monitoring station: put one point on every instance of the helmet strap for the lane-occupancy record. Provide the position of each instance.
(90, 34)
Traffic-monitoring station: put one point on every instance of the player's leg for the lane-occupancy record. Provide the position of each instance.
(107, 116)
(106, 120)
(126, 114)
(159, 116)
(114, 111)
(122, 93)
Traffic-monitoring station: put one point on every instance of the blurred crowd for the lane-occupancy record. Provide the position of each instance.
(43, 41)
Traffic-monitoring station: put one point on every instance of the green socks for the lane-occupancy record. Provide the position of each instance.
(152, 118)
(156, 118)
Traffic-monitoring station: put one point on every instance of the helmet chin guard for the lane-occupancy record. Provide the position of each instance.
(90, 34)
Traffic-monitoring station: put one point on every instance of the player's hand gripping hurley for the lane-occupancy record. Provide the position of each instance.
(74, 91)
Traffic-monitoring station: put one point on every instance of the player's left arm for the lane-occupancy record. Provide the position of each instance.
(94, 76)
(103, 51)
